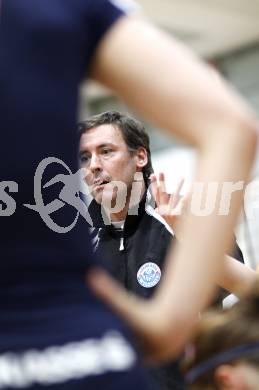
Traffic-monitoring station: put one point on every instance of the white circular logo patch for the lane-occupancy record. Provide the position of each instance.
(149, 275)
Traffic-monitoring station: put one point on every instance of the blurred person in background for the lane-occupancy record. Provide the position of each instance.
(224, 354)
(53, 331)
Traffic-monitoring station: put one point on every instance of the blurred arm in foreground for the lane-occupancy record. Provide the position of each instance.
(167, 84)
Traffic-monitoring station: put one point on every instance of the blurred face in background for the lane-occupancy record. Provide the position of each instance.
(238, 376)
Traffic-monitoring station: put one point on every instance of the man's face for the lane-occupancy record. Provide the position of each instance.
(105, 157)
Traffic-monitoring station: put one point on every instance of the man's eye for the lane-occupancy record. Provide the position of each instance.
(84, 159)
(106, 151)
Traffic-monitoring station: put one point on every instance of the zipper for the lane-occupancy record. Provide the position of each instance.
(121, 244)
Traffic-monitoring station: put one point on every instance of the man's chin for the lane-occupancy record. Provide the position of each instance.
(105, 199)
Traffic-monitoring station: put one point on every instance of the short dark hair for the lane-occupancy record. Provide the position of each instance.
(133, 132)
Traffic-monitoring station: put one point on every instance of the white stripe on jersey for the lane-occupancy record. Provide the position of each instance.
(149, 207)
(57, 364)
(150, 211)
(95, 238)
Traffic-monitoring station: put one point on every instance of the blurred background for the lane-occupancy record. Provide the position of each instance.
(226, 34)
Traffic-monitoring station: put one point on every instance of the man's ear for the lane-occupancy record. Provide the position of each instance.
(141, 158)
(228, 377)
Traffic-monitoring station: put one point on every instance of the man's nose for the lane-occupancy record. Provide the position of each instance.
(95, 163)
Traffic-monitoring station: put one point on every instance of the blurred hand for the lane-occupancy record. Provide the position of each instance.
(169, 206)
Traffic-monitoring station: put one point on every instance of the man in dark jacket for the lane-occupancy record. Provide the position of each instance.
(130, 238)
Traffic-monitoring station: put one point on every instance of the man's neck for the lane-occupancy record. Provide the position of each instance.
(117, 217)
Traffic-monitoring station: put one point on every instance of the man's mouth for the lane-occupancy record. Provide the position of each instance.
(99, 184)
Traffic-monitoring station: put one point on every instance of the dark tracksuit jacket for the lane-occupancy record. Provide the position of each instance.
(135, 256)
